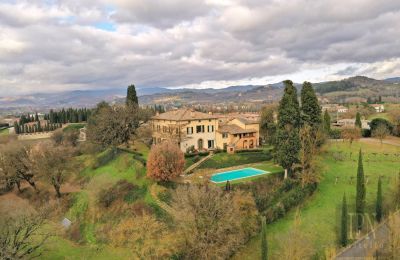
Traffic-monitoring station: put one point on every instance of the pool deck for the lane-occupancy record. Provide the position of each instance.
(255, 174)
(204, 175)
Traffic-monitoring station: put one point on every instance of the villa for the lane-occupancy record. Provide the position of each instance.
(193, 130)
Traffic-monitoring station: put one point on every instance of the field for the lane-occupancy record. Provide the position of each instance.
(4, 131)
(319, 215)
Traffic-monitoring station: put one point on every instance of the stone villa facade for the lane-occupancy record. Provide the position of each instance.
(201, 131)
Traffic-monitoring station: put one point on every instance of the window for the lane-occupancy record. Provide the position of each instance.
(189, 130)
(200, 129)
(224, 135)
(210, 128)
(210, 144)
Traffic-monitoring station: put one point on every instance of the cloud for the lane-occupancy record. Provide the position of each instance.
(86, 44)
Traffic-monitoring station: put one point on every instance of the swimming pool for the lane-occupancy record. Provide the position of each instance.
(236, 175)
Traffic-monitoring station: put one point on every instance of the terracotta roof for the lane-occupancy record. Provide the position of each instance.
(246, 121)
(234, 129)
(183, 114)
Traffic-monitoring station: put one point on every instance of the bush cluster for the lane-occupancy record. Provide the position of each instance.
(107, 156)
(121, 190)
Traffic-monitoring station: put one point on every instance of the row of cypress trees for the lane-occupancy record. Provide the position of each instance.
(35, 128)
(70, 115)
(360, 204)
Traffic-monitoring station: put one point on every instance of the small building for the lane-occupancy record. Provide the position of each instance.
(348, 123)
(379, 108)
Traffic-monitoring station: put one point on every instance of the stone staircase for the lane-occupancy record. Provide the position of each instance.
(195, 165)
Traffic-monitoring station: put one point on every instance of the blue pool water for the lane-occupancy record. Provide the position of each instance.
(236, 174)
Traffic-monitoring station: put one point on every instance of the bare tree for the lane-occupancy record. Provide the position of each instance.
(53, 164)
(16, 165)
(351, 134)
(213, 223)
(380, 132)
(21, 237)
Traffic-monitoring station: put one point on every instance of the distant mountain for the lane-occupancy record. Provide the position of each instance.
(393, 80)
(75, 98)
(354, 88)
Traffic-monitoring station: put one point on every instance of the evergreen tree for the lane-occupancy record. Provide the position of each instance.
(264, 242)
(358, 120)
(36, 117)
(16, 127)
(360, 195)
(267, 125)
(287, 136)
(344, 224)
(379, 209)
(327, 122)
(310, 108)
(131, 98)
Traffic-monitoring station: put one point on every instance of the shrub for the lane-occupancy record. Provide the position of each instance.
(123, 190)
(107, 156)
(165, 196)
(366, 133)
(140, 159)
(135, 193)
(166, 161)
(335, 133)
(374, 124)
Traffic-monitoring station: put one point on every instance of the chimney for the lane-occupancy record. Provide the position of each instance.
(157, 113)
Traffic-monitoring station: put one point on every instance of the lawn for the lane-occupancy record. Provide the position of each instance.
(122, 167)
(224, 160)
(320, 214)
(4, 131)
(74, 126)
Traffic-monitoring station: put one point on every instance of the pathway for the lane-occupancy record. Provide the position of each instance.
(195, 165)
(163, 205)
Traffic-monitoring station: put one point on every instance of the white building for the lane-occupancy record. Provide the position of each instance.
(379, 108)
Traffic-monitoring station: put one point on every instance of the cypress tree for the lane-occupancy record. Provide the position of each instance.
(16, 127)
(360, 195)
(131, 97)
(378, 209)
(310, 108)
(358, 120)
(36, 117)
(287, 136)
(264, 242)
(344, 224)
(327, 122)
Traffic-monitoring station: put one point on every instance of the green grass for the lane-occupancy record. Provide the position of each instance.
(4, 131)
(320, 214)
(74, 126)
(192, 160)
(224, 160)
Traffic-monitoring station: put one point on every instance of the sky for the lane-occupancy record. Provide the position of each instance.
(57, 45)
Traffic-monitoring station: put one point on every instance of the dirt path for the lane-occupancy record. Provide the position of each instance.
(390, 141)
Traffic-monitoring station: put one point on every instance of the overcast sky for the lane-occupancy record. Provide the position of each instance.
(53, 45)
